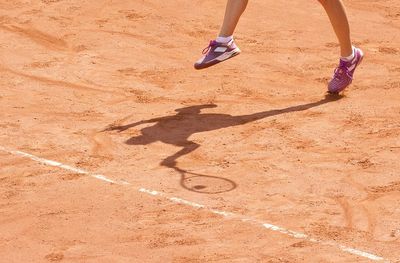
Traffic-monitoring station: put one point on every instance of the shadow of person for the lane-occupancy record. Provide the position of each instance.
(177, 129)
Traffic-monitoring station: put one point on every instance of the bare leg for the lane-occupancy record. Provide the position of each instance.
(234, 9)
(337, 15)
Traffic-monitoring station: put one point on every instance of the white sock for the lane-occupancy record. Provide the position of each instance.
(224, 39)
(349, 58)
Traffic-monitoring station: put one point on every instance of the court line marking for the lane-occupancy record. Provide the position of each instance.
(226, 214)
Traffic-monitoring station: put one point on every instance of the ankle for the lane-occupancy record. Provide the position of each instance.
(348, 57)
(224, 39)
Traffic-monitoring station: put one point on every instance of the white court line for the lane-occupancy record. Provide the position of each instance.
(62, 166)
(225, 214)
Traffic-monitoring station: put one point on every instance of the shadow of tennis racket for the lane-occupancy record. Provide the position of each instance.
(204, 184)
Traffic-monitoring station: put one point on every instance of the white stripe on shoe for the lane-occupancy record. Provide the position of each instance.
(220, 49)
(352, 67)
(227, 55)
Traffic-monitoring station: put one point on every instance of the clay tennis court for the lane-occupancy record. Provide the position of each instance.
(114, 149)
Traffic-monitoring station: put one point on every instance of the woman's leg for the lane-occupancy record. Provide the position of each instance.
(234, 9)
(340, 23)
(350, 57)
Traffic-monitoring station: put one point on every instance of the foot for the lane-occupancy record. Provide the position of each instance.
(217, 52)
(343, 75)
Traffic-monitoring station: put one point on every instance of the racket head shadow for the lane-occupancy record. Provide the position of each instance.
(207, 184)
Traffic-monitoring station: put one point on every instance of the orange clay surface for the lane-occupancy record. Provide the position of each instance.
(109, 87)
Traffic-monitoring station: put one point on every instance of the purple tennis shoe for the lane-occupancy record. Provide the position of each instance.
(343, 75)
(217, 52)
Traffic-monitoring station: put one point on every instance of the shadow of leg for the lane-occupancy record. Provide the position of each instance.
(171, 160)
